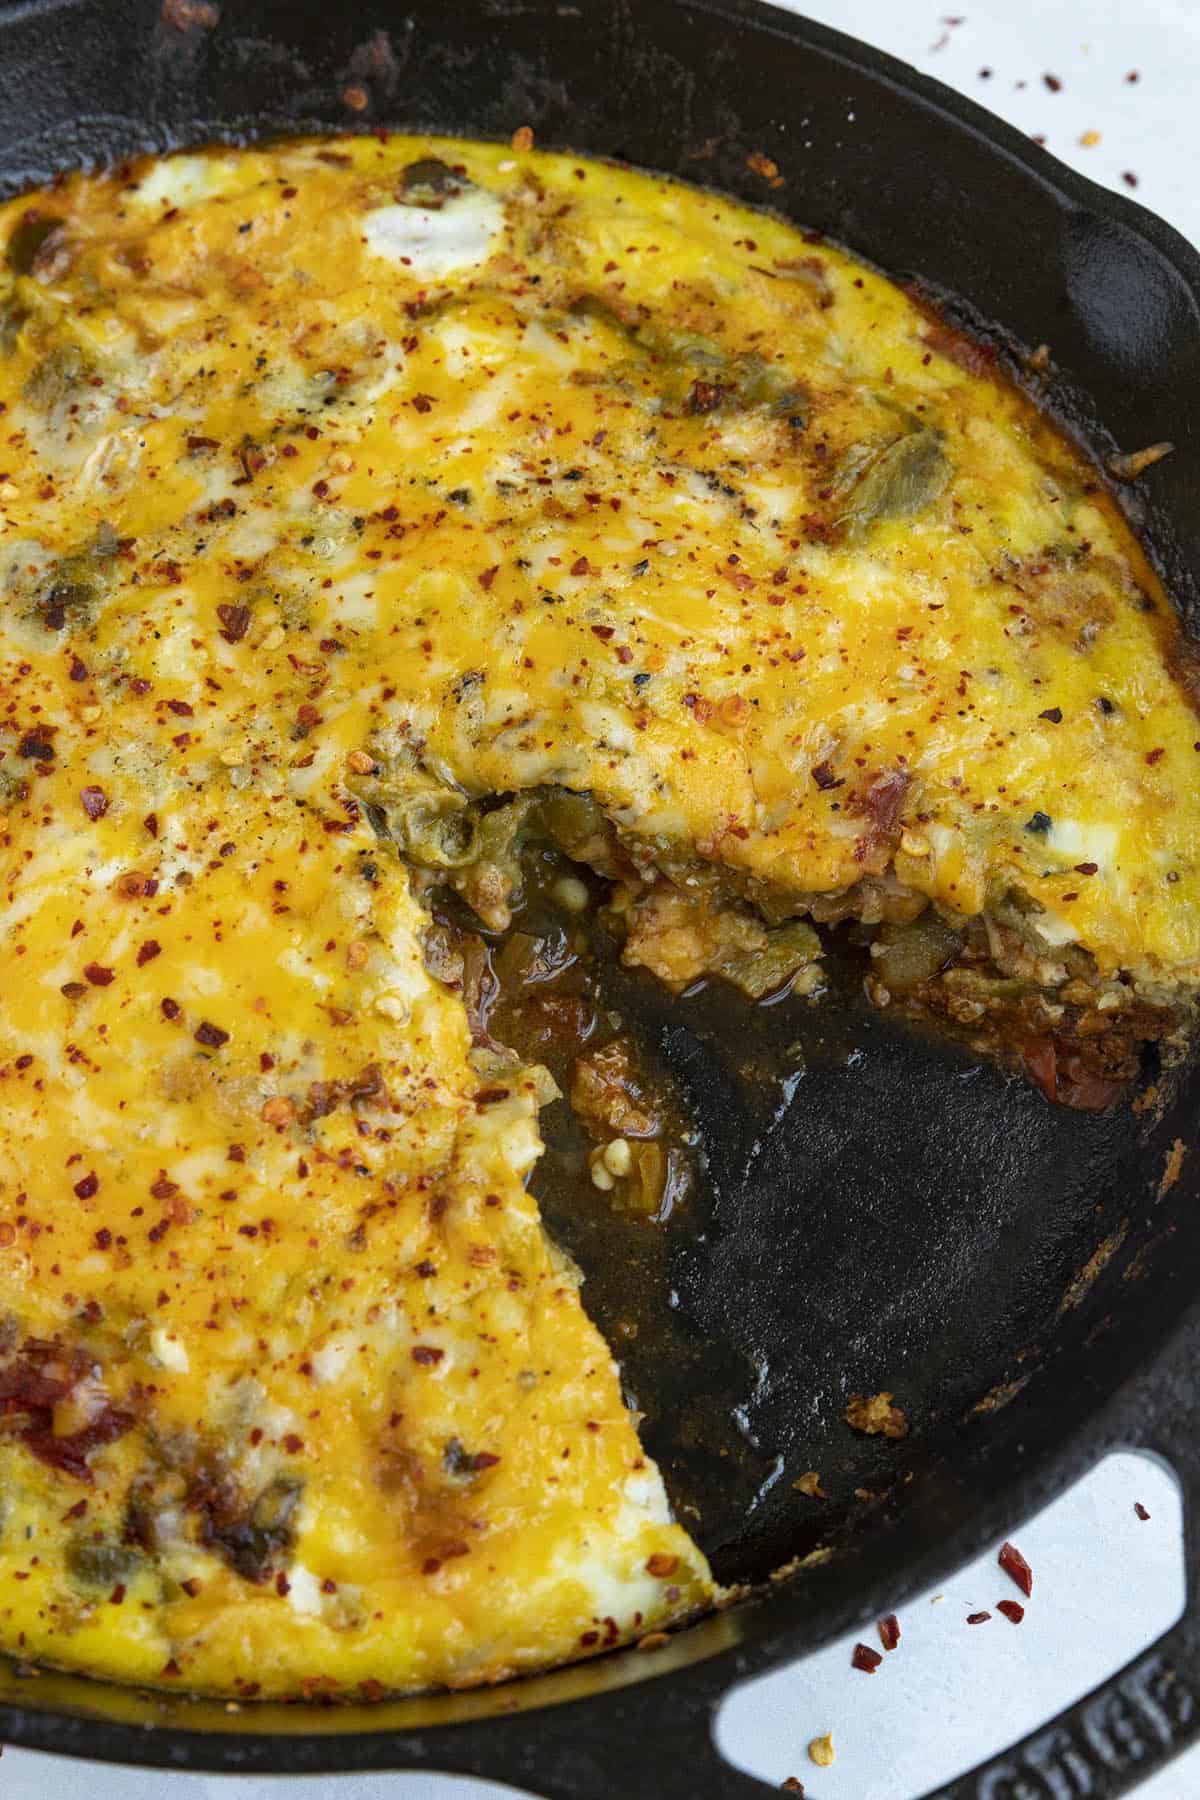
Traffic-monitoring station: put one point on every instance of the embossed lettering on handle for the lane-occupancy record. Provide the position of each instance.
(1135, 1722)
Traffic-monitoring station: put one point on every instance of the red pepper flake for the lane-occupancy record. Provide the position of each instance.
(235, 622)
(422, 403)
(151, 823)
(118, 1594)
(97, 974)
(94, 801)
(426, 1354)
(488, 576)
(603, 632)
(1086, 868)
(825, 778)
(212, 1035)
(1140, 1510)
(487, 1459)
(1129, 178)
(980, 1618)
(865, 1658)
(793, 1785)
(89, 1185)
(1014, 1564)
(371, 1689)
(148, 951)
(889, 1631)
(293, 1444)
(103, 1238)
(181, 709)
(190, 1586)
(283, 1586)
(169, 1008)
(78, 670)
(171, 1668)
(581, 566)
(1013, 1611)
(1155, 756)
(1053, 714)
(1053, 83)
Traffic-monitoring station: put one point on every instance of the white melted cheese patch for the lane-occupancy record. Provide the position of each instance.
(182, 180)
(460, 235)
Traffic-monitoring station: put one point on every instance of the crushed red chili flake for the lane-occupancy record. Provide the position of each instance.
(889, 1631)
(97, 974)
(169, 1008)
(235, 622)
(94, 801)
(824, 777)
(148, 951)
(865, 1658)
(89, 1185)
(1140, 1510)
(1053, 83)
(1014, 1564)
(118, 1594)
(1013, 1611)
(793, 1785)
(487, 577)
(979, 1618)
(426, 1354)
(212, 1035)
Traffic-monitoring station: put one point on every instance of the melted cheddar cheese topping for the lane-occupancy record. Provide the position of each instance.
(348, 474)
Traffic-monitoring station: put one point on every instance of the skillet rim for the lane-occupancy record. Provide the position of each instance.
(766, 1640)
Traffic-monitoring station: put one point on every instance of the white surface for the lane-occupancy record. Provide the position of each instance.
(952, 1693)
(1105, 1583)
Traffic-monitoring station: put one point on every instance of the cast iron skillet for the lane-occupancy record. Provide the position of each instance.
(1020, 1276)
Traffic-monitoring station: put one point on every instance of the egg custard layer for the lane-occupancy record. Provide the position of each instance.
(367, 504)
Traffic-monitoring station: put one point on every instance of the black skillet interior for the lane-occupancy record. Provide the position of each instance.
(880, 1213)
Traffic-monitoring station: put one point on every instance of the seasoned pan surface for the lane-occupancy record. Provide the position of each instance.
(880, 1213)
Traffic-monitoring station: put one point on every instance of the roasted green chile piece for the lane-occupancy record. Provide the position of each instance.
(897, 482)
(788, 949)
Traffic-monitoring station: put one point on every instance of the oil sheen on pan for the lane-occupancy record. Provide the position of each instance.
(395, 530)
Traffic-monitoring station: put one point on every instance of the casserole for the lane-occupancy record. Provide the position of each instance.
(1106, 1151)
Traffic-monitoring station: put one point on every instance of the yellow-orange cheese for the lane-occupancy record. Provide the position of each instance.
(517, 470)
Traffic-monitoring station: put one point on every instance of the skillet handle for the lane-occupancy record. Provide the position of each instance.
(655, 1739)
(1144, 1715)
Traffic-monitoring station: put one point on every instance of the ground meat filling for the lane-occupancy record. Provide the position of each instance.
(1048, 1014)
